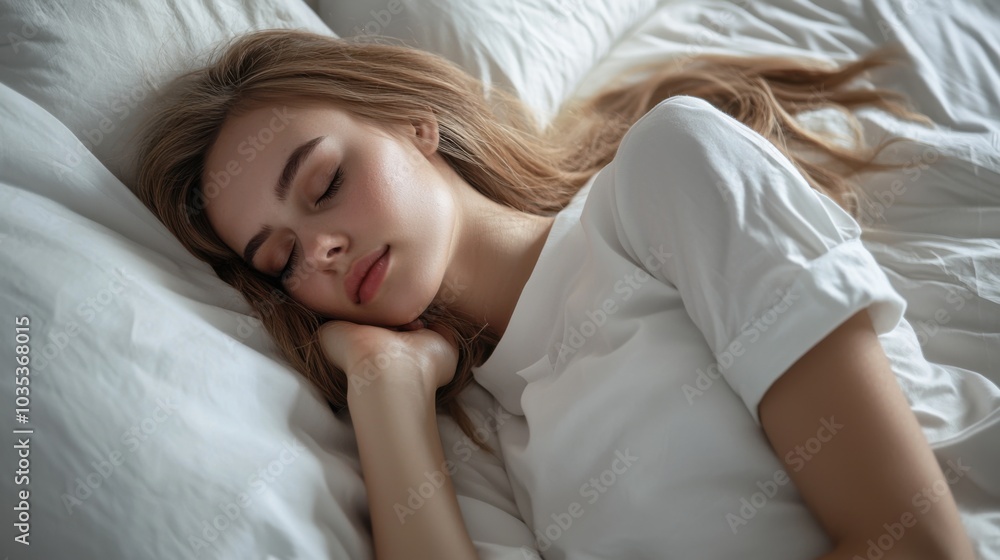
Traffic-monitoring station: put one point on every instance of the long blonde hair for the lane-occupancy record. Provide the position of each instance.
(488, 136)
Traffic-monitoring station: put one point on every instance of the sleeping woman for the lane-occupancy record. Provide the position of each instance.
(665, 288)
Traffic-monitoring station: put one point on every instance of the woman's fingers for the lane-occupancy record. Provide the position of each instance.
(433, 350)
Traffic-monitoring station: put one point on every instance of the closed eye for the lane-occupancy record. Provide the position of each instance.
(293, 259)
(338, 179)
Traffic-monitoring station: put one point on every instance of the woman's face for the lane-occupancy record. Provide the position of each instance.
(351, 193)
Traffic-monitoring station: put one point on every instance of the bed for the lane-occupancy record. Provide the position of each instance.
(161, 422)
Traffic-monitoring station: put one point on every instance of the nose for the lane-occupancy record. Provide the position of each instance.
(326, 249)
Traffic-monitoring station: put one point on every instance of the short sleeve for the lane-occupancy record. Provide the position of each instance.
(766, 265)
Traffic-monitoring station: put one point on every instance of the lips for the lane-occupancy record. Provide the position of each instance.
(358, 271)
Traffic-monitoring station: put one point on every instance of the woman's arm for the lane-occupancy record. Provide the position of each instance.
(401, 457)
(411, 500)
(874, 480)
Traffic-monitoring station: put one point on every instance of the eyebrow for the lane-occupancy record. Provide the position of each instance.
(281, 189)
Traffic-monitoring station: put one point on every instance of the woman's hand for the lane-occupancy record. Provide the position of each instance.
(393, 376)
(369, 354)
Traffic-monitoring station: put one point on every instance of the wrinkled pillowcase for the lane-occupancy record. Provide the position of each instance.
(539, 50)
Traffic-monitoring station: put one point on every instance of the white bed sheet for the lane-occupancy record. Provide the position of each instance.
(933, 226)
(165, 423)
(77, 248)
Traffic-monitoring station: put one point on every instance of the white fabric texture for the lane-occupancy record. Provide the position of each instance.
(537, 49)
(96, 65)
(126, 324)
(166, 424)
(699, 268)
(130, 332)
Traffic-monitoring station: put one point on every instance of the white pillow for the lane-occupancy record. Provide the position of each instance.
(165, 423)
(539, 49)
(94, 64)
(154, 399)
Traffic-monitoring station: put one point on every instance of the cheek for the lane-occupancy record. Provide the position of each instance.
(326, 299)
(400, 185)
(416, 205)
(303, 288)
(313, 293)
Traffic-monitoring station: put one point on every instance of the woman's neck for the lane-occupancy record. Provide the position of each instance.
(497, 250)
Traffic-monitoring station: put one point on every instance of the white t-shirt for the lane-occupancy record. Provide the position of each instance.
(689, 275)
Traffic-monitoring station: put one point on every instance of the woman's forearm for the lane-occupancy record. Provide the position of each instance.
(414, 511)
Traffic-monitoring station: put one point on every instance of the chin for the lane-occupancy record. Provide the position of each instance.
(388, 316)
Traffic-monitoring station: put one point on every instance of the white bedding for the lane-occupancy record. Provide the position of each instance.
(129, 332)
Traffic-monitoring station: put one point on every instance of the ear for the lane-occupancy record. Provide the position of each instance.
(426, 136)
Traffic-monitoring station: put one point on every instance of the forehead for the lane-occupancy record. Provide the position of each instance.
(249, 133)
(259, 127)
(243, 164)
